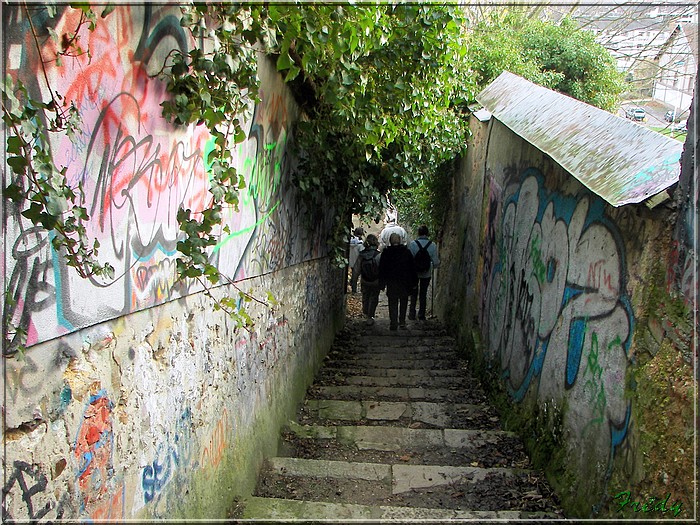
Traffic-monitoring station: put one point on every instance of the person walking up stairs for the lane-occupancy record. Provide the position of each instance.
(395, 428)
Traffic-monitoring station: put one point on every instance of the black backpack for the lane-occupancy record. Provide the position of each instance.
(422, 257)
(369, 268)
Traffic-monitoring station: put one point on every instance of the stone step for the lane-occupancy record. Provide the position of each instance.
(442, 415)
(409, 349)
(505, 450)
(472, 395)
(407, 352)
(401, 439)
(258, 508)
(437, 486)
(399, 381)
(393, 372)
(403, 341)
(397, 362)
(399, 477)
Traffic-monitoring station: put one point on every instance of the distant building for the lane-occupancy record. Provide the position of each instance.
(640, 37)
(677, 63)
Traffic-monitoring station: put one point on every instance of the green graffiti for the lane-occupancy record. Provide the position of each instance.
(538, 268)
(242, 231)
(594, 383)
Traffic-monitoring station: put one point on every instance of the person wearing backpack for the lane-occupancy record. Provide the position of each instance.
(355, 247)
(425, 257)
(367, 267)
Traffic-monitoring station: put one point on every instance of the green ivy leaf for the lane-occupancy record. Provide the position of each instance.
(14, 192)
(18, 164)
(284, 61)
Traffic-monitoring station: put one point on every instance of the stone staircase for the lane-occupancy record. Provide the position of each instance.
(395, 428)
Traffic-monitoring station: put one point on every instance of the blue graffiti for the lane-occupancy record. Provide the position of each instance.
(557, 301)
(172, 457)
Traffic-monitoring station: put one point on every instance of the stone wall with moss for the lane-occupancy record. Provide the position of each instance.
(563, 304)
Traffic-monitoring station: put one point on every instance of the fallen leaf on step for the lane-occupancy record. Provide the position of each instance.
(415, 425)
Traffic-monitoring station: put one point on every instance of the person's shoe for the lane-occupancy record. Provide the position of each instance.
(421, 318)
(411, 317)
(403, 327)
(369, 321)
(393, 327)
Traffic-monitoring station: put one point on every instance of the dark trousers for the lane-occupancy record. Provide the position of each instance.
(370, 297)
(354, 276)
(398, 304)
(419, 293)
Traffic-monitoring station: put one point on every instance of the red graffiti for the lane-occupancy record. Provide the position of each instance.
(216, 447)
(93, 449)
(599, 277)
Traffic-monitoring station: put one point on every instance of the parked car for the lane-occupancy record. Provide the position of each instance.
(670, 116)
(637, 114)
(681, 127)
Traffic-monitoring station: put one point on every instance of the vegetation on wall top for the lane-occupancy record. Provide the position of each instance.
(384, 90)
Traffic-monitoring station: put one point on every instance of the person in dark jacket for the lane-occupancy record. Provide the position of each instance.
(371, 256)
(397, 273)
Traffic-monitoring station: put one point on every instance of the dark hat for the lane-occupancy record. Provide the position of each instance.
(359, 232)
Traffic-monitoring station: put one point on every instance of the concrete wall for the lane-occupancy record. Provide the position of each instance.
(559, 294)
(134, 399)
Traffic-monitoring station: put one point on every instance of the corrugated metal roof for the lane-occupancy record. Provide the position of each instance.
(622, 162)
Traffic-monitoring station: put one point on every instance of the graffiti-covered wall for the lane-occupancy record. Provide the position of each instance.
(134, 398)
(560, 291)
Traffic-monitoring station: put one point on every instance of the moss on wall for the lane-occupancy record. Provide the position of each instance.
(212, 492)
(662, 383)
(653, 378)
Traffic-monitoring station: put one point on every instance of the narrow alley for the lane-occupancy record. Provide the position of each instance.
(210, 362)
(395, 427)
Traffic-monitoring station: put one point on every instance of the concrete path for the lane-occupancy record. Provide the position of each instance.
(394, 428)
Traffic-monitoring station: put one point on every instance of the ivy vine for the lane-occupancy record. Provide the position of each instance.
(36, 185)
(384, 90)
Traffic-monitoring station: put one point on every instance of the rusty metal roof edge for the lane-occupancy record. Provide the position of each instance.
(613, 202)
(522, 96)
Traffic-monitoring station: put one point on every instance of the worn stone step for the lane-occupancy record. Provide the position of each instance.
(258, 508)
(472, 395)
(449, 382)
(437, 486)
(444, 360)
(443, 415)
(507, 451)
(397, 339)
(409, 352)
(392, 438)
(393, 372)
(397, 362)
(399, 478)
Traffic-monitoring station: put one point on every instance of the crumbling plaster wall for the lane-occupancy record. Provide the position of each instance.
(134, 398)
